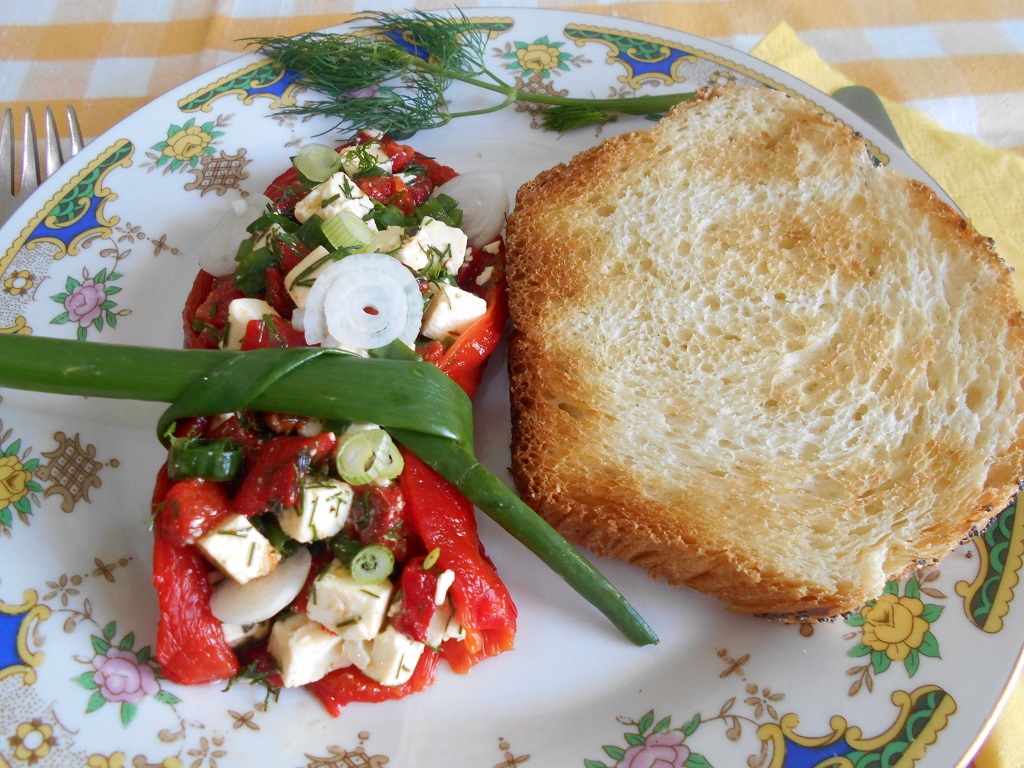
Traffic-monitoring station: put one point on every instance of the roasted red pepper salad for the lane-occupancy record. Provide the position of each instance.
(298, 552)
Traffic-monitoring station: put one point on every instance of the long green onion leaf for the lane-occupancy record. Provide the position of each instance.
(327, 386)
(418, 404)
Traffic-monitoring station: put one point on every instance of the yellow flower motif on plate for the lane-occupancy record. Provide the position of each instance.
(18, 283)
(894, 625)
(16, 485)
(32, 741)
(186, 143)
(14, 480)
(540, 57)
(537, 57)
(896, 628)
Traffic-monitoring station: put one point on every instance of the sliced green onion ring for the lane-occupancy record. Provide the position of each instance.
(317, 162)
(346, 230)
(431, 559)
(367, 456)
(372, 564)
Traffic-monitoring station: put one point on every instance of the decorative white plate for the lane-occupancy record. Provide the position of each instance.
(104, 252)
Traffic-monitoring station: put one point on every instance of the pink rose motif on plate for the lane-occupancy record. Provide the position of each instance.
(85, 302)
(654, 744)
(121, 675)
(659, 750)
(121, 678)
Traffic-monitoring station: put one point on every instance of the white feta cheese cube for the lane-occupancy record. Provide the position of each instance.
(358, 652)
(388, 240)
(300, 279)
(239, 550)
(451, 311)
(240, 313)
(393, 657)
(493, 247)
(444, 626)
(485, 276)
(444, 581)
(321, 512)
(339, 193)
(304, 651)
(237, 634)
(363, 157)
(355, 611)
(434, 240)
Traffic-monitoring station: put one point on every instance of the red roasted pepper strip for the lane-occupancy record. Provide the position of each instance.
(259, 334)
(201, 288)
(286, 190)
(418, 587)
(387, 523)
(401, 154)
(277, 294)
(190, 644)
(464, 360)
(445, 520)
(461, 655)
(348, 685)
(191, 508)
(206, 310)
(280, 463)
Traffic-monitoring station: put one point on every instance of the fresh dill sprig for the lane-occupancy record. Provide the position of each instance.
(371, 81)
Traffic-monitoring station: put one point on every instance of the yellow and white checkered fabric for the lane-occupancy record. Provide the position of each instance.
(961, 64)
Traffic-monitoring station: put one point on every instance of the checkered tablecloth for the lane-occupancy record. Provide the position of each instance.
(960, 63)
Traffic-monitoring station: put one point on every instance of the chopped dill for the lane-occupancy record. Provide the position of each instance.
(256, 676)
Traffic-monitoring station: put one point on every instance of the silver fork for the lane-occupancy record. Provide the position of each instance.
(13, 190)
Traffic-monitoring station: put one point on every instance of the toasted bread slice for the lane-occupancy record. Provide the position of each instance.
(750, 361)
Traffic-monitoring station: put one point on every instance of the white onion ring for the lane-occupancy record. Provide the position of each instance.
(364, 301)
(216, 254)
(261, 598)
(483, 198)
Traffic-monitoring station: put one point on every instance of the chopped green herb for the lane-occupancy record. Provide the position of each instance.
(256, 676)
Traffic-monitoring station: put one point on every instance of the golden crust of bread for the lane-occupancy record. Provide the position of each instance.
(753, 363)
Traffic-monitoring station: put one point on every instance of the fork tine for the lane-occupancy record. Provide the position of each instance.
(29, 154)
(54, 155)
(7, 154)
(76, 131)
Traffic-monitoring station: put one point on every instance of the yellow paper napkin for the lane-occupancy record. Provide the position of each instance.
(988, 185)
